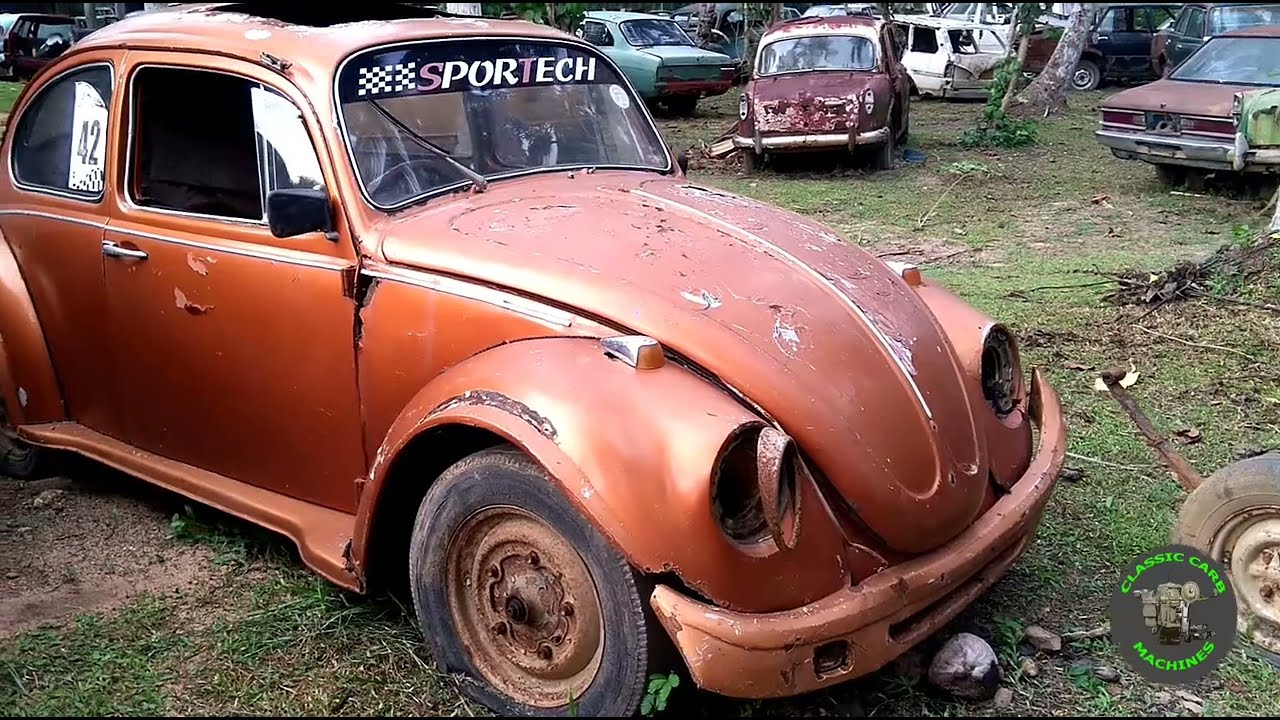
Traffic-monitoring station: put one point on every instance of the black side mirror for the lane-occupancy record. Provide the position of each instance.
(682, 160)
(296, 211)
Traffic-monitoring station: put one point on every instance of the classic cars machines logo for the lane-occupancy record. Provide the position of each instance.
(1173, 614)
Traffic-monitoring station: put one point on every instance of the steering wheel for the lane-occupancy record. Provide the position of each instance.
(403, 168)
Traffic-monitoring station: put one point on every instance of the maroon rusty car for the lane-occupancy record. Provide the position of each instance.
(1189, 119)
(825, 83)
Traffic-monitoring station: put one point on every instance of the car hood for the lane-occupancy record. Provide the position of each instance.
(821, 335)
(686, 55)
(1174, 96)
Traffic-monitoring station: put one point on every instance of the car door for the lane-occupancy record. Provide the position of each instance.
(55, 205)
(1182, 44)
(235, 349)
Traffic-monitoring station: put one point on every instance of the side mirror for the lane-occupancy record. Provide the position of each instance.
(297, 211)
(683, 161)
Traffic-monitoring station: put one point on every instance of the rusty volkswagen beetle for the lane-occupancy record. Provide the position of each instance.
(431, 297)
(825, 84)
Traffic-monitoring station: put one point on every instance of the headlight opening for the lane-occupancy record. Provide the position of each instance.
(1001, 371)
(755, 490)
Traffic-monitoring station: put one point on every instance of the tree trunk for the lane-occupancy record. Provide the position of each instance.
(706, 23)
(775, 13)
(1047, 94)
(1024, 41)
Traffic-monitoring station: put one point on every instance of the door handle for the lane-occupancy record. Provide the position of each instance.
(111, 249)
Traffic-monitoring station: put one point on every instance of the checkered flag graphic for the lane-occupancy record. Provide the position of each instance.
(89, 180)
(387, 78)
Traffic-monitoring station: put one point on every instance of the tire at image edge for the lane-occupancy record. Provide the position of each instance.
(506, 476)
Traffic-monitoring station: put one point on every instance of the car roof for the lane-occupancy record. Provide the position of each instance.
(316, 36)
(1266, 31)
(828, 23)
(618, 16)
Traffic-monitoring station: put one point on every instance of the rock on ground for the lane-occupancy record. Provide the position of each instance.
(1042, 639)
(966, 667)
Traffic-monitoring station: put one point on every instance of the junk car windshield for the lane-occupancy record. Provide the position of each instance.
(818, 52)
(1235, 17)
(1233, 61)
(501, 107)
(648, 33)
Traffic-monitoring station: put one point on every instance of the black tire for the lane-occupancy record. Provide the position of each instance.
(1171, 175)
(682, 105)
(1227, 518)
(883, 158)
(1086, 76)
(504, 480)
(18, 459)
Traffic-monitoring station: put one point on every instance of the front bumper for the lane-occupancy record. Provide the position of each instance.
(1189, 151)
(801, 141)
(859, 629)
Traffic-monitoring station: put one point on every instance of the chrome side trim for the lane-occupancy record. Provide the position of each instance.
(327, 263)
(804, 267)
(101, 225)
(315, 260)
(471, 291)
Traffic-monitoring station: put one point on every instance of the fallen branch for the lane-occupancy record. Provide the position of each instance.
(1107, 463)
(1176, 464)
(924, 219)
(1097, 632)
(1205, 346)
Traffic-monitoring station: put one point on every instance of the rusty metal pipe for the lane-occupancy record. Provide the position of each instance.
(1178, 465)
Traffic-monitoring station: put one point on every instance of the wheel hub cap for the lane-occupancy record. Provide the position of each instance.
(525, 607)
(1250, 547)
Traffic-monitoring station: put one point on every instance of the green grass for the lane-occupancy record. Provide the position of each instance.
(267, 637)
(8, 94)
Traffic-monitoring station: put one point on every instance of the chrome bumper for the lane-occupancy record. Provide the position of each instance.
(812, 140)
(1189, 151)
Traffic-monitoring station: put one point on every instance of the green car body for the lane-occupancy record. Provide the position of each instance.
(1256, 114)
(659, 59)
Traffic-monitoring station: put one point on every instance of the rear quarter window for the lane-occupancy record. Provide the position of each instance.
(60, 140)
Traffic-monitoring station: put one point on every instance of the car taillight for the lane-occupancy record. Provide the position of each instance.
(744, 105)
(1208, 126)
(869, 101)
(1123, 117)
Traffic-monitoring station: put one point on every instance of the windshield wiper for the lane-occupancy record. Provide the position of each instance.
(476, 178)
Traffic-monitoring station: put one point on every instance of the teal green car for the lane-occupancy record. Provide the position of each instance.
(663, 63)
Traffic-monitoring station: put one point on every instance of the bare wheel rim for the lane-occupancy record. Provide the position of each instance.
(525, 606)
(1249, 545)
(1081, 78)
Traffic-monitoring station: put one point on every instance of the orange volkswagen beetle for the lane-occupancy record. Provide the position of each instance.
(430, 296)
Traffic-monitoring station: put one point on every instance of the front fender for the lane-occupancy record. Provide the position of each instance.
(27, 380)
(634, 450)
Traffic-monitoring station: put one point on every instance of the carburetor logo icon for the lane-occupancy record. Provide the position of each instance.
(1166, 611)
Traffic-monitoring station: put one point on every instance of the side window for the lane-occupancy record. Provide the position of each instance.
(1180, 26)
(1195, 23)
(61, 140)
(596, 33)
(924, 40)
(1116, 20)
(211, 143)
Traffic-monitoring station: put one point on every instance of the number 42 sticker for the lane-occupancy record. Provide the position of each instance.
(88, 126)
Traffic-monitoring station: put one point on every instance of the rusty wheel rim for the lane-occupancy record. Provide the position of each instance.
(525, 606)
(1249, 545)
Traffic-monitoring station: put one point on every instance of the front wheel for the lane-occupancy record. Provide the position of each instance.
(18, 459)
(1235, 517)
(515, 590)
(1086, 76)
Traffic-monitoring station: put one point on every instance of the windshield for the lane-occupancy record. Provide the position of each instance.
(647, 33)
(1235, 17)
(1234, 61)
(818, 52)
(499, 107)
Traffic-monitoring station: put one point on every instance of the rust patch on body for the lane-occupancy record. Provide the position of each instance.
(180, 299)
(511, 406)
